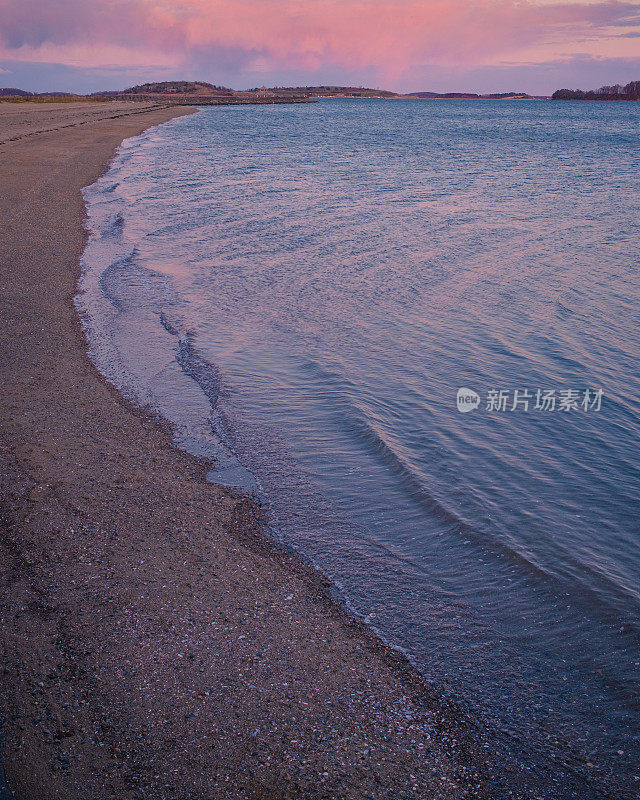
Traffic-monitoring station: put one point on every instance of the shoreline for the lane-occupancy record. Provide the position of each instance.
(155, 643)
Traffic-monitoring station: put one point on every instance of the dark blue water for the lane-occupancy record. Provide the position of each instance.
(303, 290)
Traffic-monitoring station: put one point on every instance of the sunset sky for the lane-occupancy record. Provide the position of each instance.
(404, 45)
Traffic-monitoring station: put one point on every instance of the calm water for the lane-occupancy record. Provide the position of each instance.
(302, 290)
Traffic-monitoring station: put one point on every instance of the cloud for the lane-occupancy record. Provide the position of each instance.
(543, 77)
(386, 39)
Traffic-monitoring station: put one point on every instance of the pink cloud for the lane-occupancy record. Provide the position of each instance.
(389, 36)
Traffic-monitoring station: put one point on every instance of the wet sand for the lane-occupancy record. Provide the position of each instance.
(154, 643)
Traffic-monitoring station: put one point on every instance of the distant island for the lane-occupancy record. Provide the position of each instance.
(168, 93)
(472, 96)
(203, 93)
(617, 92)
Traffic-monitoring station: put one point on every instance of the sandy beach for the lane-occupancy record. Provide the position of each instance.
(154, 643)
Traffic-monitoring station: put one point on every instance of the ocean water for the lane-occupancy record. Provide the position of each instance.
(302, 291)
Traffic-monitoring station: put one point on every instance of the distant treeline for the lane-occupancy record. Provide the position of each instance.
(174, 87)
(203, 89)
(13, 95)
(11, 92)
(629, 92)
(470, 96)
(329, 91)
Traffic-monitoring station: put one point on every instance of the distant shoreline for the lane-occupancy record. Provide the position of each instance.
(214, 101)
(203, 93)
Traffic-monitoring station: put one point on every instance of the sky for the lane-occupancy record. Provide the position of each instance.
(403, 45)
